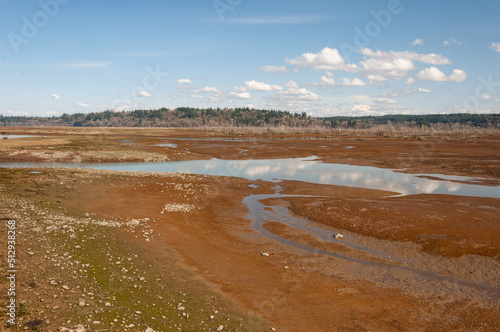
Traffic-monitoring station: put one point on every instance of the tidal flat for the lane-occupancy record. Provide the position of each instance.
(129, 250)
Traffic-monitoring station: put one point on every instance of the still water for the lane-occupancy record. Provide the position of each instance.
(309, 169)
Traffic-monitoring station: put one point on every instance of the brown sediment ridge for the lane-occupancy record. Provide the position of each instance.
(200, 224)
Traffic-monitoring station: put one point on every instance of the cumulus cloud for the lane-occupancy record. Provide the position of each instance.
(55, 97)
(383, 68)
(51, 113)
(410, 80)
(485, 96)
(424, 90)
(418, 41)
(144, 94)
(293, 98)
(431, 58)
(184, 81)
(82, 105)
(352, 82)
(261, 86)
(327, 80)
(345, 82)
(210, 89)
(326, 59)
(433, 74)
(240, 93)
(291, 84)
(274, 69)
(495, 46)
(361, 109)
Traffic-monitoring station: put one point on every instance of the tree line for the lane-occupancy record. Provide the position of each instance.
(244, 117)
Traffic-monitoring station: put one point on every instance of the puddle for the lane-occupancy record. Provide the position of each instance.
(259, 214)
(308, 169)
(167, 145)
(18, 136)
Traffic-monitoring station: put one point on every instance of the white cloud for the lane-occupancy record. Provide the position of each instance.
(291, 84)
(352, 82)
(380, 66)
(424, 90)
(300, 94)
(495, 46)
(261, 86)
(485, 96)
(82, 105)
(240, 93)
(294, 98)
(410, 80)
(210, 89)
(144, 94)
(435, 75)
(377, 78)
(384, 101)
(361, 109)
(452, 41)
(184, 81)
(250, 106)
(55, 97)
(327, 80)
(274, 69)
(418, 41)
(51, 113)
(383, 68)
(391, 56)
(345, 82)
(16, 113)
(326, 59)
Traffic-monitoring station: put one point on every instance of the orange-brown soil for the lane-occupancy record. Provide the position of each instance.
(452, 242)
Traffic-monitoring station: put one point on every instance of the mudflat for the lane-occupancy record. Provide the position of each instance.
(116, 250)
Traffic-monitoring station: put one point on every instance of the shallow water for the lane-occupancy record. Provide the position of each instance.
(309, 169)
(19, 136)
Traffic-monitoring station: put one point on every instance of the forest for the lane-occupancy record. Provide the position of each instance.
(187, 117)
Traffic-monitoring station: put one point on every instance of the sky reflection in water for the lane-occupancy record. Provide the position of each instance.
(302, 169)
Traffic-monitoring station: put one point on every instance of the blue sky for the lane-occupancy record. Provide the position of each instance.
(320, 57)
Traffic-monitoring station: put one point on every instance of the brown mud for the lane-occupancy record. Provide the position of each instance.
(431, 263)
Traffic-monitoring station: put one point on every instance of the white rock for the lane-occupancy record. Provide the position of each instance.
(149, 330)
(65, 287)
(81, 303)
(265, 254)
(339, 236)
(220, 328)
(107, 304)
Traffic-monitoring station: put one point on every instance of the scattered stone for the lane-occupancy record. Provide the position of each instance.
(81, 303)
(107, 304)
(338, 236)
(220, 328)
(149, 330)
(265, 254)
(65, 287)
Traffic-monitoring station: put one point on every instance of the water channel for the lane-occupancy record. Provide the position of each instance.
(312, 170)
